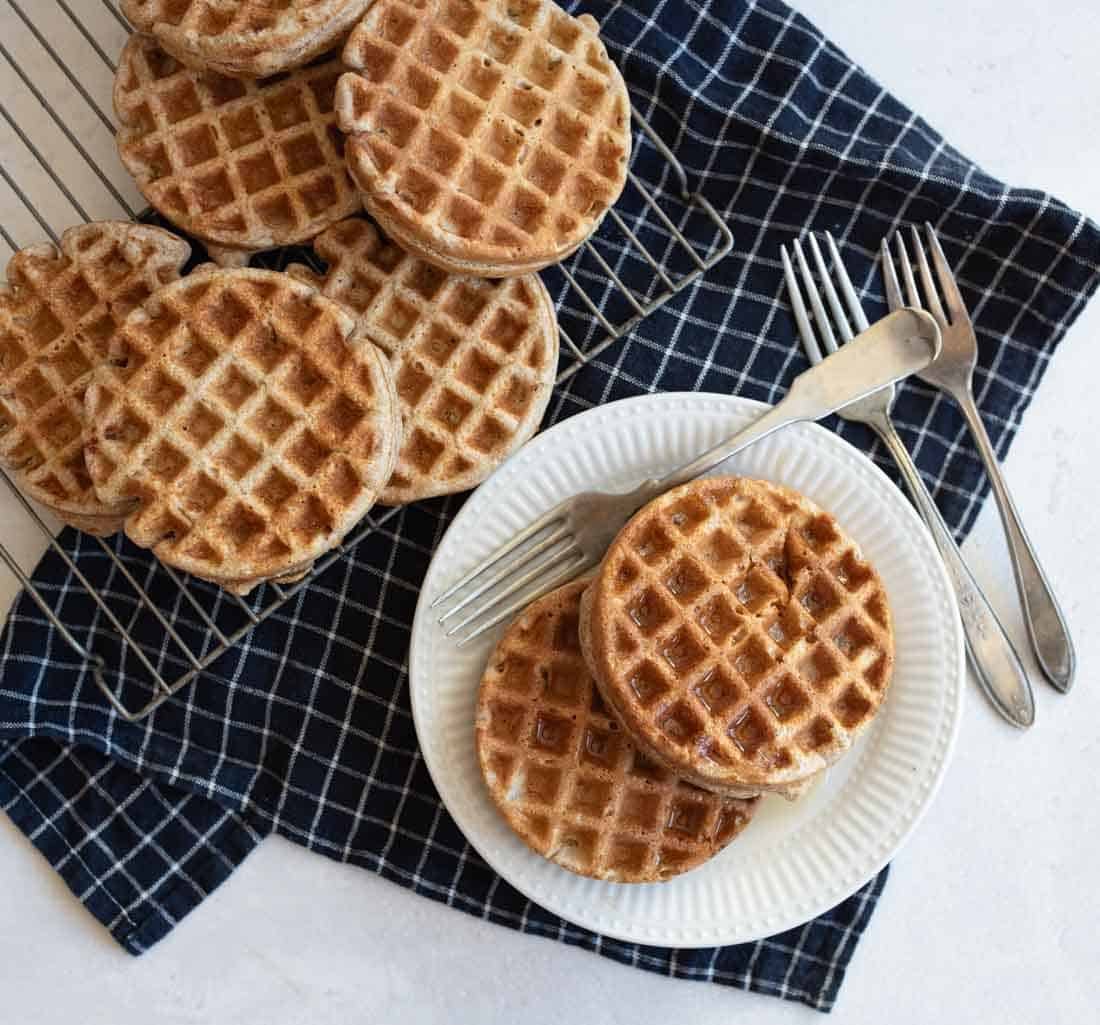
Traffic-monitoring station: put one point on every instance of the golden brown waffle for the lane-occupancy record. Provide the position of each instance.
(246, 422)
(487, 137)
(474, 360)
(245, 38)
(739, 634)
(245, 165)
(567, 778)
(60, 308)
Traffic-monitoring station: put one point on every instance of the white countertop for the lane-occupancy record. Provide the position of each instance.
(988, 909)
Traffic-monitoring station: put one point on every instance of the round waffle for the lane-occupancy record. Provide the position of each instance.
(58, 312)
(474, 360)
(245, 165)
(244, 420)
(739, 635)
(567, 778)
(487, 137)
(244, 38)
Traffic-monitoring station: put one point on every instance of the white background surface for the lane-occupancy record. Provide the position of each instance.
(988, 911)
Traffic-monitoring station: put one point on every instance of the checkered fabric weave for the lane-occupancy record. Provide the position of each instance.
(305, 729)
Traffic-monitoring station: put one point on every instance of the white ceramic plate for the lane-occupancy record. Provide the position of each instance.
(796, 860)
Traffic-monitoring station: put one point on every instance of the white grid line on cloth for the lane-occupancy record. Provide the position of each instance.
(49, 821)
(92, 837)
(343, 698)
(415, 759)
(755, 251)
(343, 728)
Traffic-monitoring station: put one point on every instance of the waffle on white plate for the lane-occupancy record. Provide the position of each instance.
(486, 137)
(740, 636)
(59, 312)
(565, 775)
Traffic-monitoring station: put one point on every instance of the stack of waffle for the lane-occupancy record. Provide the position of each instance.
(732, 644)
(486, 137)
(239, 423)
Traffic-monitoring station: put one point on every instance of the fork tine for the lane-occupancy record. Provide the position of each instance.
(828, 339)
(556, 537)
(801, 314)
(544, 522)
(912, 294)
(839, 317)
(847, 289)
(568, 573)
(955, 305)
(893, 287)
(935, 307)
(520, 584)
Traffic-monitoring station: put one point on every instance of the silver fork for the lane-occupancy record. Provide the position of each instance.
(995, 662)
(576, 533)
(953, 372)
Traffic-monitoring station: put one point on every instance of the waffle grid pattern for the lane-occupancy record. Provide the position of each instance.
(473, 359)
(498, 130)
(744, 636)
(58, 314)
(250, 38)
(250, 433)
(244, 164)
(567, 778)
(1027, 266)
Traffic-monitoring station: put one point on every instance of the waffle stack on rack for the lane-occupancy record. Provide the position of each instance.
(488, 138)
(58, 314)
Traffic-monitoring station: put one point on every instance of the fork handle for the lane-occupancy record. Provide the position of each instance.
(994, 659)
(1046, 625)
(787, 412)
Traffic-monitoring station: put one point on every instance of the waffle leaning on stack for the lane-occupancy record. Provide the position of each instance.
(59, 311)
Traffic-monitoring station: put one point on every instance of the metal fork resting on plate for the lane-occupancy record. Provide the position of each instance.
(995, 662)
(576, 533)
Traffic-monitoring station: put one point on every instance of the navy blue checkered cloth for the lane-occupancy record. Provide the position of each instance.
(302, 731)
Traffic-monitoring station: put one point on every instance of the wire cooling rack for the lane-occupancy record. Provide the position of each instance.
(58, 166)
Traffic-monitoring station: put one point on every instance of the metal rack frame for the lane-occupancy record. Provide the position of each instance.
(679, 266)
